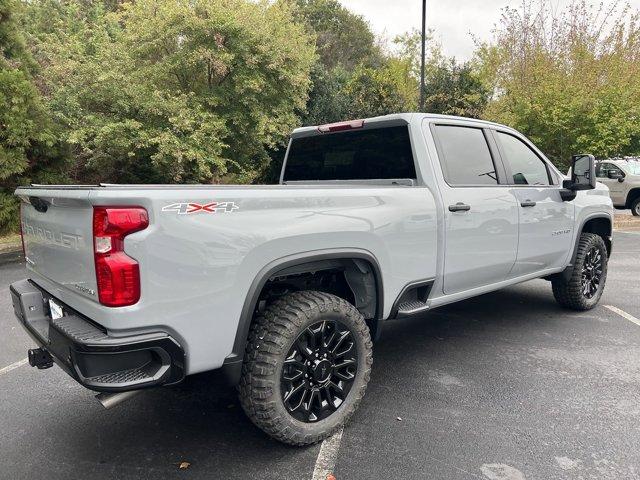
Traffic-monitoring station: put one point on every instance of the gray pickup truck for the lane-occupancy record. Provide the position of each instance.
(285, 287)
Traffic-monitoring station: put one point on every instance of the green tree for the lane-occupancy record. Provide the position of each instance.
(375, 91)
(342, 38)
(344, 41)
(326, 101)
(166, 91)
(570, 80)
(29, 150)
(455, 89)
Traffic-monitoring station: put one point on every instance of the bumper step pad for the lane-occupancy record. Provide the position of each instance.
(126, 376)
(88, 353)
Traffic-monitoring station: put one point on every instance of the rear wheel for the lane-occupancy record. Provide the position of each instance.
(306, 367)
(635, 207)
(582, 291)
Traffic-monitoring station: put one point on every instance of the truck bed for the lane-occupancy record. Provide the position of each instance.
(196, 267)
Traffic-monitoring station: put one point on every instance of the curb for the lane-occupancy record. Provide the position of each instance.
(12, 256)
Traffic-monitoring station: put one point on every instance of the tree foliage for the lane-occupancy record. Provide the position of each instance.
(29, 150)
(376, 91)
(168, 91)
(570, 80)
(343, 39)
(455, 89)
(208, 90)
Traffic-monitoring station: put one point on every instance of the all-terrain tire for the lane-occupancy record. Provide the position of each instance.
(272, 335)
(569, 293)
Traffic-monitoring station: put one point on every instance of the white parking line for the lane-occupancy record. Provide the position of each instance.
(326, 461)
(623, 314)
(13, 366)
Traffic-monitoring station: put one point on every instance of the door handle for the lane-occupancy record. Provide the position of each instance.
(459, 207)
(527, 203)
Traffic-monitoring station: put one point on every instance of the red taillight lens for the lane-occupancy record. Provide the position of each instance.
(117, 274)
(341, 126)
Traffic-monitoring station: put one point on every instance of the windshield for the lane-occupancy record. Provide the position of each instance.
(633, 168)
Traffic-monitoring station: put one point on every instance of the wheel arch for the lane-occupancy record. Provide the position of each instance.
(296, 264)
(632, 195)
(599, 224)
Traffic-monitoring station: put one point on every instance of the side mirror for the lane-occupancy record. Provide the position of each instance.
(583, 173)
(583, 176)
(613, 175)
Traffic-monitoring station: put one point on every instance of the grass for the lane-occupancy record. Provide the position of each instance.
(10, 243)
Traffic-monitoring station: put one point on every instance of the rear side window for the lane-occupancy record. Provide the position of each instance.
(526, 167)
(465, 156)
(373, 154)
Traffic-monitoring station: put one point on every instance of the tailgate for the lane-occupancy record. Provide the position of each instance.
(57, 229)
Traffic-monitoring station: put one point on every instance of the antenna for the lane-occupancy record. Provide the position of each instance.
(424, 38)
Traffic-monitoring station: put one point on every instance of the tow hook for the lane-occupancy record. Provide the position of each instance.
(39, 357)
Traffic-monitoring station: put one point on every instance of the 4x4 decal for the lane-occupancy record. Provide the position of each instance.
(189, 208)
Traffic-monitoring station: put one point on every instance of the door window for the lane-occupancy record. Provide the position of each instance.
(603, 169)
(527, 168)
(465, 156)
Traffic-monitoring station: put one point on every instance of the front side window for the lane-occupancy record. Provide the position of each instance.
(526, 167)
(605, 168)
(465, 156)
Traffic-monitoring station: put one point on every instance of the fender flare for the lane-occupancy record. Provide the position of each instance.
(566, 273)
(233, 363)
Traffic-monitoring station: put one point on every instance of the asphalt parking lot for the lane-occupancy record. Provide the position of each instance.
(506, 386)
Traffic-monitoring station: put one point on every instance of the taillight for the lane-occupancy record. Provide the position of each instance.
(117, 274)
(341, 126)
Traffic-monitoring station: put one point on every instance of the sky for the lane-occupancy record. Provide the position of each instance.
(454, 21)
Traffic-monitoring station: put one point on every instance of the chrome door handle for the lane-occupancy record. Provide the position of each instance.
(459, 207)
(527, 203)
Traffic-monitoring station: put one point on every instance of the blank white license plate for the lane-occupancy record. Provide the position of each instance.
(56, 310)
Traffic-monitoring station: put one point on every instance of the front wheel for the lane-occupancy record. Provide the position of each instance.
(583, 289)
(306, 367)
(635, 207)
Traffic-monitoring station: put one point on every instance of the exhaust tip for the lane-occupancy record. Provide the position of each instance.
(110, 400)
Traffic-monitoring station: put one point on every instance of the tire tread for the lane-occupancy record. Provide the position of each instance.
(568, 293)
(269, 336)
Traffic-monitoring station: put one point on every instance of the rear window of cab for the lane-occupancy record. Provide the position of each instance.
(369, 154)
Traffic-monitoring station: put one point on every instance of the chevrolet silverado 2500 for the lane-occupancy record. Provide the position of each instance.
(284, 287)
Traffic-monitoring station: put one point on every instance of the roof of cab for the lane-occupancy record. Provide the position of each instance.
(406, 117)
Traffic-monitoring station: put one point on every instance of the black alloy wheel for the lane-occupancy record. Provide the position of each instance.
(591, 272)
(319, 371)
(306, 367)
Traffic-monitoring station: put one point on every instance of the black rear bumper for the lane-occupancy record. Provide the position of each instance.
(89, 354)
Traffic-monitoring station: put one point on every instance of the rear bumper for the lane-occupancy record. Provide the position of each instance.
(89, 354)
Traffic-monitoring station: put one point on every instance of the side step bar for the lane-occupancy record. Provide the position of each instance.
(414, 307)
